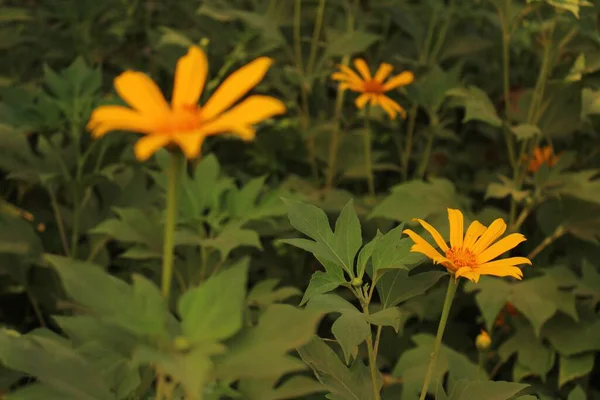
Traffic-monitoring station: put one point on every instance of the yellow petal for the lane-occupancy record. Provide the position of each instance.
(421, 246)
(498, 268)
(190, 76)
(235, 86)
(253, 110)
(148, 145)
(363, 68)
(361, 101)
(467, 272)
(435, 234)
(474, 231)
(389, 106)
(111, 118)
(340, 76)
(500, 247)
(383, 72)
(402, 79)
(493, 232)
(141, 93)
(351, 75)
(190, 143)
(455, 217)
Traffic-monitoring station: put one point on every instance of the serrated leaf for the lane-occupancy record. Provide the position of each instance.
(214, 311)
(348, 236)
(392, 316)
(365, 254)
(392, 252)
(478, 106)
(570, 339)
(231, 238)
(262, 350)
(397, 286)
(344, 383)
(106, 296)
(264, 389)
(264, 293)
(525, 131)
(577, 394)
(531, 353)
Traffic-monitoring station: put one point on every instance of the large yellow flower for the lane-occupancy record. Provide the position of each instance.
(471, 256)
(184, 123)
(373, 88)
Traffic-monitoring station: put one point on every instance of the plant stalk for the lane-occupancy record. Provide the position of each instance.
(173, 178)
(452, 285)
(368, 151)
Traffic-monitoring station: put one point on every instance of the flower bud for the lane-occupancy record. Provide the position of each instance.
(356, 282)
(483, 341)
(182, 344)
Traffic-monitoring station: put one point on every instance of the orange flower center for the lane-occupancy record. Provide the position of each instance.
(181, 120)
(461, 257)
(372, 86)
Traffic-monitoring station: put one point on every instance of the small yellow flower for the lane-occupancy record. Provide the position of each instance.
(373, 87)
(483, 341)
(471, 256)
(540, 156)
(184, 123)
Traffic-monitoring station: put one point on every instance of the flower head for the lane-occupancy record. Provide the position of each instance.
(483, 341)
(373, 88)
(183, 122)
(540, 156)
(471, 255)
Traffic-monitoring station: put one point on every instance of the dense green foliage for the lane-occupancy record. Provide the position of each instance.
(291, 280)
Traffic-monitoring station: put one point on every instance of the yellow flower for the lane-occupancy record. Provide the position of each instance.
(373, 87)
(184, 123)
(471, 256)
(483, 341)
(541, 155)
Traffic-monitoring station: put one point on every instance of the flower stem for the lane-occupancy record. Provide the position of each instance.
(170, 219)
(560, 230)
(372, 354)
(452, 285)
(368, 150)
(506, 38)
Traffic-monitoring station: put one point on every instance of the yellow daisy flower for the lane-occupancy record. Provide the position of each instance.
(373, 87)
(184, 123)
(471, 256)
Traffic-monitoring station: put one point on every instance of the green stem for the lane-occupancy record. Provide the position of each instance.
(368, 150)
(334, 141)
(558, 232)
(170, 219)
(442, 35)
(372, 358)
(59, 222)
(427, 153)
(424, 57)
(410, 131)
(452, 285)
(506, 82)
(314, 44)
(481, 358)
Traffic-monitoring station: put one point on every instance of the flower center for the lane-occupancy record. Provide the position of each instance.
(372, 86)
(182, 120)
(461, 257)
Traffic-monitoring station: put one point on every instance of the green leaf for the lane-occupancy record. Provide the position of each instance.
(417, 199)
(231, 238)
(589, 285)
(570, 339)
(261, 351)
(322, 282)
(525, 131)
(349, 43)
(478, 106)
(431, 90)
(350, 329)
(531, 353)
(577, 394)
(392, 316)
(348, 236)
(488, 390)
(573, 367)
(339, 248)
(397, 286)
(365, 254)
(38, 391)
(392, 252)
(106, 296)
(413, 364)
(264, 293)
(344, 383)
(294, 387)
(54, 364)
(492, 295)
(214, 310)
